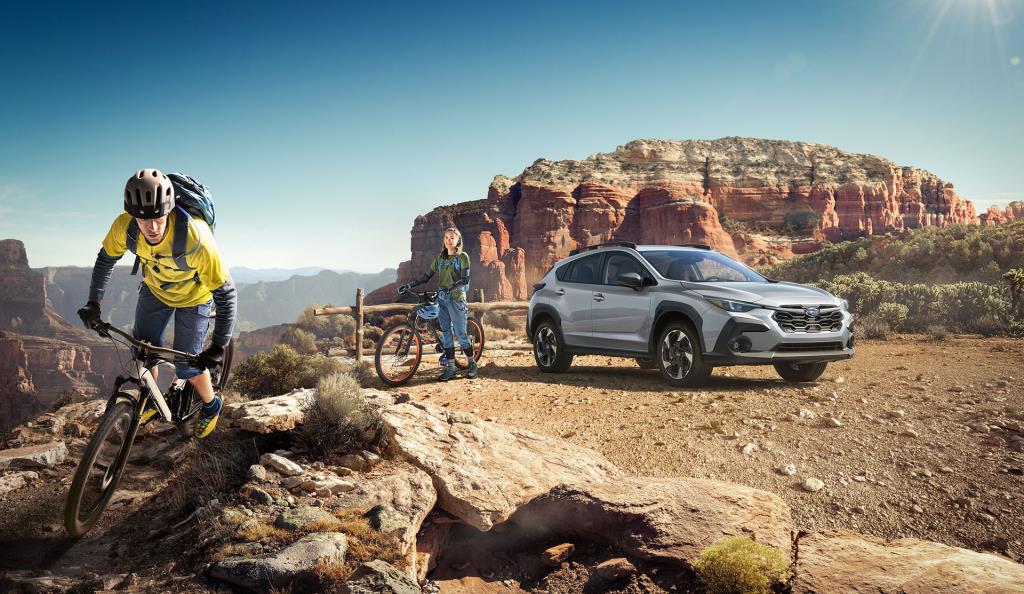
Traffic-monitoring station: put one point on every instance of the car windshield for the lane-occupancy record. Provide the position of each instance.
(700, 267)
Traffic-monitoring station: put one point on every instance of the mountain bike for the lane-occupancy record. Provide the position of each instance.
(107, 453)
(401, 347)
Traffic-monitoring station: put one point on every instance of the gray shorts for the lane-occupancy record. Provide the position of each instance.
(190, 326)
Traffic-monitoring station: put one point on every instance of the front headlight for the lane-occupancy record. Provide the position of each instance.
(730, 305)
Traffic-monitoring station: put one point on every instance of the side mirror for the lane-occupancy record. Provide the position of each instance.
(631, 280)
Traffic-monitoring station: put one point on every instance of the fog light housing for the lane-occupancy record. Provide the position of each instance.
(849, 343)
(740, 344)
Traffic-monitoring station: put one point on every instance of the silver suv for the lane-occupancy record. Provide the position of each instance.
(685, 310)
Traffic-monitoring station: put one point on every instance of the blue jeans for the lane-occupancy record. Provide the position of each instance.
(190, 327)
(453, 313)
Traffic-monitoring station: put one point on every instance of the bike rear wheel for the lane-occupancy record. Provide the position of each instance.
(398, 354)
(475, 331)
(101, 466)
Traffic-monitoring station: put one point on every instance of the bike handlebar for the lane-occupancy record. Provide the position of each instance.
(104, 329)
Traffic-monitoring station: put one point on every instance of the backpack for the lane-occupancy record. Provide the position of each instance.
(192, 199)
(457, 266)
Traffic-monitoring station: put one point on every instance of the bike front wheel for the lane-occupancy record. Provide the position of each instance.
(475, 331)
(398, 354)
(101, 466)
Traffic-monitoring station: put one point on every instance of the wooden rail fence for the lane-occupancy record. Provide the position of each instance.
(358, 310)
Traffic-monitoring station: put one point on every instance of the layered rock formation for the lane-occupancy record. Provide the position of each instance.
(1014, 211)
(42, 356)
(671, 192)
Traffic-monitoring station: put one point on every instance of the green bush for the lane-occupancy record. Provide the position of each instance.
(281, 370)
(801, 222)
(337, 419)
(738, 565)
(893, 314)
(302, 341)
(326, 326)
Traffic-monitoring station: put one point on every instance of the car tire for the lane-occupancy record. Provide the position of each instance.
(549, 349)
(647, 363)
(678, 356)
(801, 372)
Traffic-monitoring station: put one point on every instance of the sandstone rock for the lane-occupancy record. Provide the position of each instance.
(484, 472)
(847, 562)
(554, 556)
(813, 485)
(380, 577)
(16, 480)
(41, 456)
(355, 462)
(431, 542)
(256, 495)
(282, 465)
(787, 470)
(614, 569)
(656, 191)
(230, 516)
(301, 517)
(334, 485)
(268, 415)
(665, 519)
(292, 565)
(257, 472)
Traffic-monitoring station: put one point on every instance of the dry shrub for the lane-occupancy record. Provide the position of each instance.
(337, 419)
(873, 327)
(494, 334)
(393, 320)
(366, 543)
(362, 373)
(302, 341)
(937, 332)
(281, 370)
(503, 320)
(215, 466)
(737, 564)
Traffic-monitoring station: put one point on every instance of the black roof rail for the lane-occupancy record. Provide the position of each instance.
(628, 244)
(699, 246)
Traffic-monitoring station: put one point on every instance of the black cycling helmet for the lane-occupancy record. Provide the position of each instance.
(148, 194)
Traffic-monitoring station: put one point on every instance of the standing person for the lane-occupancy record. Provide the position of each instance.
(452, 269)
(189, 285)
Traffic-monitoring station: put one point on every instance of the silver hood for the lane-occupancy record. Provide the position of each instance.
(770, 294)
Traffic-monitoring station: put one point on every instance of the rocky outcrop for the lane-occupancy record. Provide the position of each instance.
(994, 216)
(655, 191)
(18, 399)
(292, 566)
(849, 562)
(256, 341)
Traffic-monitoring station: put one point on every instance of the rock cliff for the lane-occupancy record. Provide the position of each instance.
(759, 200)
(42, 356)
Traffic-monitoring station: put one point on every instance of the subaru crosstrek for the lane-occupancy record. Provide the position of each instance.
(685, 310)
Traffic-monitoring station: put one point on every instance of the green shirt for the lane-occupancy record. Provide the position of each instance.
(444, 266)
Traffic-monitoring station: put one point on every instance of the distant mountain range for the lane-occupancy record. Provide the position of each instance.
(261, 303)
(245, 275)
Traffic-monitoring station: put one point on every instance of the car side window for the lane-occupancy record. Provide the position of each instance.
(586, 270)
(563, 271)
(618, 264)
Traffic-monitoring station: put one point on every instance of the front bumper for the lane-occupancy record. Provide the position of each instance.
(755, 338)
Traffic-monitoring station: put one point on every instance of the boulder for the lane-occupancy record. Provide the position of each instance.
(304, 516)
(282, 465)
(292, 565)
(16, 480)
(39, 456)
(670, 519)
(554, 556)
(849, 562)
(484, 472)
(380, 577)
(614, 569)
(268, 415)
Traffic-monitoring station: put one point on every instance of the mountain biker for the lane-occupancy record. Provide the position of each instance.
(452, 268)
(190, 295)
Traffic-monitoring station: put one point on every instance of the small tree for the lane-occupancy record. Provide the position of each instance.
(738, 564)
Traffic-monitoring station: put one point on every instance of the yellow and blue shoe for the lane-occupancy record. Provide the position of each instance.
(148, 413)
(206, 422)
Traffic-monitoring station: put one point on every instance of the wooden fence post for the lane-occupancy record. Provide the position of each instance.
(359, 325)
(479, 295)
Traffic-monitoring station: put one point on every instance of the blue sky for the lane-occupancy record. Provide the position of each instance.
(325, 128)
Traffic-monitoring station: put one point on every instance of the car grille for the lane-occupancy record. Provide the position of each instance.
(795, 319)
(801, 347)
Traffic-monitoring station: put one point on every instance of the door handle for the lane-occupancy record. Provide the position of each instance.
(598, 297)
(560, 292)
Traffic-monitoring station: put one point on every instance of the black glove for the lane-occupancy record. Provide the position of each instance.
(90, 314)
(211, 357)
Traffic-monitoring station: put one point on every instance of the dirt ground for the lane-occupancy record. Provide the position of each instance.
(913, 437)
